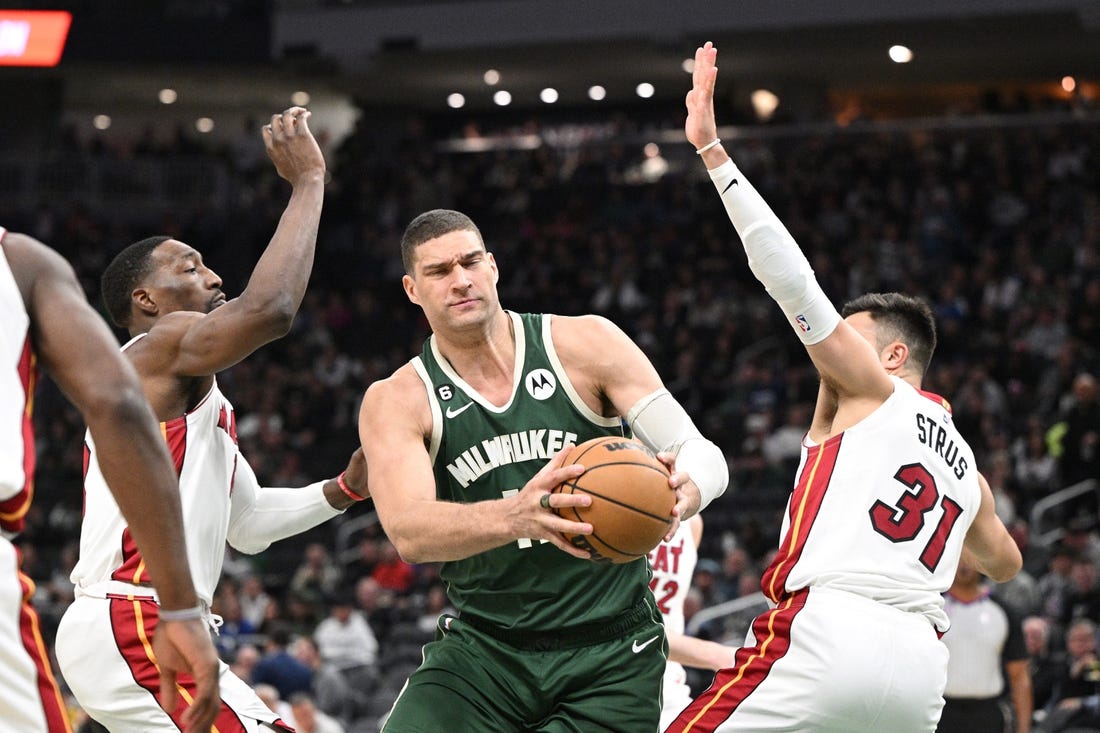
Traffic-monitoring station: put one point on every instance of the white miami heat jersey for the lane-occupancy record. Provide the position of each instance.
(17, 379)
(203, 446)
(673, 564)
(881, 510)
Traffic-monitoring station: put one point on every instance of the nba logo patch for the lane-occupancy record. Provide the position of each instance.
(803, 324)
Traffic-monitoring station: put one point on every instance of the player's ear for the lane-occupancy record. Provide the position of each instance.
(409, 284)
(895, 356)
(143, 299)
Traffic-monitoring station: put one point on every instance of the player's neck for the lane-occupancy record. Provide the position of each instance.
(485, 359)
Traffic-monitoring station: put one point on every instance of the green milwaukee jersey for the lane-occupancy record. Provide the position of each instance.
(480, 451)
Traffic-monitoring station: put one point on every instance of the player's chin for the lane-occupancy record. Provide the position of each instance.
(215, 303)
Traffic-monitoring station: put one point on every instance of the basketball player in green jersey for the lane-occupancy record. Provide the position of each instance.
(464, 444)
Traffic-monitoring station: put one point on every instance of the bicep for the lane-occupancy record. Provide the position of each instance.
(400, 469)
(222, 338)
(618, 368)
(849, 364)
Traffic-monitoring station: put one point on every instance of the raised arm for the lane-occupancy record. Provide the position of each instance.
(265, 310)
(846, 361)
(394, 422)
(77, 349)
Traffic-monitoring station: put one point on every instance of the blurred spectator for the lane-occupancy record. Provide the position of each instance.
(244, 661)
(332, 692)
(278, 668)
(255, 603)
(308, 719)
(391, 572)
(1075, 702)
(345, 640)
(1055, 585)
(1044, 665)
(317, 575)
(1083, 598)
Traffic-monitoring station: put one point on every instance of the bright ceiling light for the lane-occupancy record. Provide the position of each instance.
(764, 103)
(688, 65)
(204, 124)
(549, 95)
(1069, 83)
(502, 98)
(901, 54)
(167, 96)
(491, 77)
(101, 122)
(644, 90)
(456, 101)
(300, 98)
(596, 93)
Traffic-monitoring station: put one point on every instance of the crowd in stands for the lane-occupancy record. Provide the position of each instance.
(997, 226)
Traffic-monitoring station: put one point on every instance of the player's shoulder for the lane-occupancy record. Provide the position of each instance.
(937, 399)
(403, 387)
(583, 333)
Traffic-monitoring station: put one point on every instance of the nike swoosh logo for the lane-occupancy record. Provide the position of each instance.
(454, 413)
(636, 647)
(730, 185)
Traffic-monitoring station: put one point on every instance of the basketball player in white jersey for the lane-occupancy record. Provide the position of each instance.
(184, 331)
(887, 496)
(45, 319)
(673, 565)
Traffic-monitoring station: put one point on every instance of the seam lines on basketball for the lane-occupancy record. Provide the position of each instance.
(616, 502)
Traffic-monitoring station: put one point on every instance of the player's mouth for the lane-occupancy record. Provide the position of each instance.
(217, 301)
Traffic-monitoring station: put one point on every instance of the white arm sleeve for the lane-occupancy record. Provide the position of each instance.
(259, 516)
(660, 422)
(775, 258)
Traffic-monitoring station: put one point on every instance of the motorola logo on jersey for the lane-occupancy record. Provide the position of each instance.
(540, 383)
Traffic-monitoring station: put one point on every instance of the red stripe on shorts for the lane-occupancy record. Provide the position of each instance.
(49, 694)
(133, 622)
(751, 666)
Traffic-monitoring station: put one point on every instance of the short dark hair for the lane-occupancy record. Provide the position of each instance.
(430, 225)
(899, 318)
(121, 277)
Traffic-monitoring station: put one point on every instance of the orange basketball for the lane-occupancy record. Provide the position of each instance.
(632, 503)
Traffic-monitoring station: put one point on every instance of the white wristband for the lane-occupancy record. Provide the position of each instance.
(181, 614)
(708, 146)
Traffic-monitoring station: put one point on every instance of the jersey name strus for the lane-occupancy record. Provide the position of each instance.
(502, 450)
(939, 440)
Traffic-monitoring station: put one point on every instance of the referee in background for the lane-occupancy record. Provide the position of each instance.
(986, 642)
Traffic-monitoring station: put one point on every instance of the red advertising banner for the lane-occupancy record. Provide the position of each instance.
(33, 37)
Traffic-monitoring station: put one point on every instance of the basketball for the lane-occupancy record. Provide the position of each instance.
(631, 508)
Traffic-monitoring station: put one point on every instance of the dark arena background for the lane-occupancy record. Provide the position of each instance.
(949, 150)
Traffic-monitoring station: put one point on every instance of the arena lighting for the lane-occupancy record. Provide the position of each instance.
(204, 124)
(1068, 83)
(101, 122)
(502, 98)
(688, 65)
(300, 98)
(167, 96)
(900, 54)
(33, 37)
(764, 103)
(549, 95)
(491, 77)
(644, 90)
(456, 101)
(596, 93)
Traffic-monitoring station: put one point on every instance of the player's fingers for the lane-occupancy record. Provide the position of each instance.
(564, 545)
(672, 529)
(276, 127)
(561, 501)
(168, 697)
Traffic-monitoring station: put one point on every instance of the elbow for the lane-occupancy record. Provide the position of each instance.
(410, 551)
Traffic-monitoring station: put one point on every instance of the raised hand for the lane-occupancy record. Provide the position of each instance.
(700, 126)
(291, 145)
